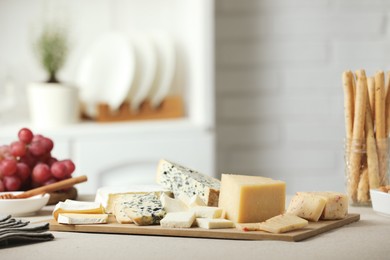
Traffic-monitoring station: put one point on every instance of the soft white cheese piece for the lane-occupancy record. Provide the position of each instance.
(191, 201)
(73, 206)
(172, 205)
(178, 220)
(214, 223)
(109, 196)
(207, 212)
(82, 219)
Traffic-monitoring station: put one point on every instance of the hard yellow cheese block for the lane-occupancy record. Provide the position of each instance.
(249, 199)
(336, 206)
(307, 206)
(283, 223)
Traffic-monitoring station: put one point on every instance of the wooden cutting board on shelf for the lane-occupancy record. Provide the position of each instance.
(313, 229)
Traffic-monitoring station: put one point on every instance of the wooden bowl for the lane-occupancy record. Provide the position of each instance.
(58, 196)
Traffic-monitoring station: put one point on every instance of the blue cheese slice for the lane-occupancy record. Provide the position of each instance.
(143, 209)
(180, 179)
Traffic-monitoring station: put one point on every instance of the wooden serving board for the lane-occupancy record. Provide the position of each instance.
(313, 229)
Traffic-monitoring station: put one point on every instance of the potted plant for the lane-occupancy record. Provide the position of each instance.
(52, 103)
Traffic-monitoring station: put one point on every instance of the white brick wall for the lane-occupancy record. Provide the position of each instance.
(278, 83)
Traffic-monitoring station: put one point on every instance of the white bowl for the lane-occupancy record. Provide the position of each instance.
(22, 207)
(380, 201)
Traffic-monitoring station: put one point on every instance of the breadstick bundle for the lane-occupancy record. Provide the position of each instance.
(367, 125)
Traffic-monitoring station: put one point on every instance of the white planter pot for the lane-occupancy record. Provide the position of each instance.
(53, 105)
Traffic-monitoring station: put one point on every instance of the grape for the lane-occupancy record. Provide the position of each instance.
(2, 187)
(37, 148)
(59, 170)
(47, 143)
(51, 160)
(8, 167)
(25, 135)
(18, 149)
(28, 159)
(41, 173)
(12, 183)
(23, 171)
(69, 166)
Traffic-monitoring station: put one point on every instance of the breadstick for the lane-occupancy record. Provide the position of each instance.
(380, 124)
(358, 135)
(387, 103)
(371, 94)
(363, 189)
(348, 103)
(372, 156)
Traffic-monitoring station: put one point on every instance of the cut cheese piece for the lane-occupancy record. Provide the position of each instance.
(120, 214)
(109, 196)
(207, 212)
(143, 209)
(178, 220)
(180, 179)
(73, 206)
(249, 199)
(83, 219)
(308, 206)
(336, 206)
(191, 201)
(248, 226)
(172, 205)
(214, 223)
(283, 223)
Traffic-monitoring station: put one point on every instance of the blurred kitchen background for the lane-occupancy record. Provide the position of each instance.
(260, 79)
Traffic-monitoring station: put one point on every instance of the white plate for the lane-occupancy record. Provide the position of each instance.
(145, 72)
(22, 207)
(165, 68)
(380, 202)
(106, 72)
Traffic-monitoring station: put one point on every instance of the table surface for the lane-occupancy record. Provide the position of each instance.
(366, 239)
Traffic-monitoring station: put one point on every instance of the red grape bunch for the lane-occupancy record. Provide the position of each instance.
(28, 163)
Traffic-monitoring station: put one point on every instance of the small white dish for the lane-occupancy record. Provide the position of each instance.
(106, 72)
(380, 202)
(145, 72)
(166, 67)
(22, 207)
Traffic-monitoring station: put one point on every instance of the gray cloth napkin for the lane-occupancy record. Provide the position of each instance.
(13, 231)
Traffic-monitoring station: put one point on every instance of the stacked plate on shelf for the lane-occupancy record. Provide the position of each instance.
(118, 68)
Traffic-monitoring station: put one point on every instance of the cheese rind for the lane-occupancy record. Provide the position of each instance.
(336, 206)
(178, 220)
(180, 179)
(214, 223)
(73, 206)
(82, 219)
(207, 212)
(283, 223)
(307, 206)
(250, 199)
(143, 209)
(109, 196)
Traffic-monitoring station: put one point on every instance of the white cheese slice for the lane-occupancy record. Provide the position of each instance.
(109, 196)
(178, 220)
(214, 223)
(83, 219)
(191, 201)
(172, 205)
(73, 206)
(207, 212)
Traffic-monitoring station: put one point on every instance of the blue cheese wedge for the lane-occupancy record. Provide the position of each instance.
(180, 179)
(214, 223)
(109, 196)
(178, 220)
(82, 219)
(143, 209)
